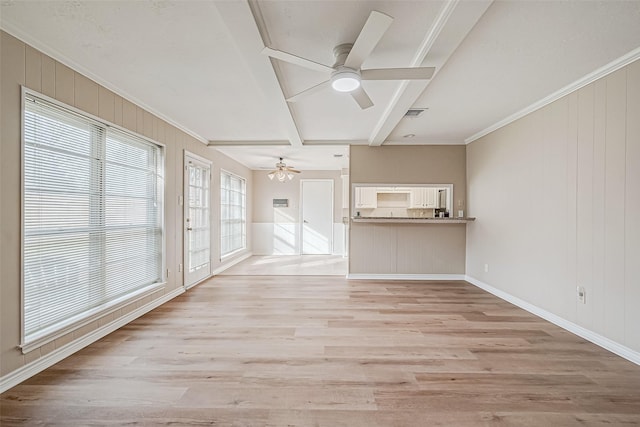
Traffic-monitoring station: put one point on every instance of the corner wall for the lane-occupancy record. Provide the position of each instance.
(408, 250)
(557, 195)
(23, 65)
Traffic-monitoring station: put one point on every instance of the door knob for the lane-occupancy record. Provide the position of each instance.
(189, 229)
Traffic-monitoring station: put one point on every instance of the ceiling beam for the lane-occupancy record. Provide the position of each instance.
(275, 143)
(461, 16)
(238, 143)
(246, 27)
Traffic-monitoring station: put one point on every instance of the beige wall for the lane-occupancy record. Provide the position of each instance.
(276, 231)
(265, 190)
(557, 197)
(409, 248)
(23, 65)
(425, 164)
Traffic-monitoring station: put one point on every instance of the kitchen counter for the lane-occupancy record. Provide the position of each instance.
(411, 220)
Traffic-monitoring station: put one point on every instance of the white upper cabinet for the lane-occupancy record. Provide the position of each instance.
(366, 198)
(425, 198)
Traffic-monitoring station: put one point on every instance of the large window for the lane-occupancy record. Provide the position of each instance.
(92, 219)
(233, 213)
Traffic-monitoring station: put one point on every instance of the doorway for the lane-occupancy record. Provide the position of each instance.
(316, 233)
(197, 214)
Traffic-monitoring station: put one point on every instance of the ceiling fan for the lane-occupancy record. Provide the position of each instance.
(346, 74)
(282, 172)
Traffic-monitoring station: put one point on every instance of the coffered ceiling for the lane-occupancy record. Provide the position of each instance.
(199, 64)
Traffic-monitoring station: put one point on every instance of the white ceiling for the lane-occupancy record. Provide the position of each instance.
(198, 64)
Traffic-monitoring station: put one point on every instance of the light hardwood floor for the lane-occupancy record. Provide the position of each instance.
(290, 265)
(324, 351)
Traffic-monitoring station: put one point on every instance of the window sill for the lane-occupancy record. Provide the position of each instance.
(70, 325)
(233, 254)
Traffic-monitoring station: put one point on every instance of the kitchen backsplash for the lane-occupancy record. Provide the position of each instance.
(396, 212)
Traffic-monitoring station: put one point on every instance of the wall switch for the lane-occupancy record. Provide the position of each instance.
(486, 268)
(582, 295)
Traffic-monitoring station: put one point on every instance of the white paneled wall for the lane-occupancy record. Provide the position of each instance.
(283, 238)
(557, 197)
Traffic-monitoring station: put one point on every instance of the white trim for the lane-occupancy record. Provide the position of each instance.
(27, 371)
(197, 157)
(360, 276)
(231, 263)
(189, 157)
(572, 87)
(67, 326)
(197, 282)
(604, 342)
(85, 114)
(224, 257)
(59, 57)
(70, 325)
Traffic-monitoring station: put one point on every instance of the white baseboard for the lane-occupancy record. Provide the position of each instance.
(604, 342)
(27, 371)
(358, 276)
(231, 263)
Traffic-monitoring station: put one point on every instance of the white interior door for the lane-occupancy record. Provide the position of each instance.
(197, 214)
(317, 216)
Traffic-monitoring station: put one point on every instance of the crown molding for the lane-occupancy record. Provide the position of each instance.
(601, 72)
(61, 58)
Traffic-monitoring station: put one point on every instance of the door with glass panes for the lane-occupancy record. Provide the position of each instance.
(197, 219)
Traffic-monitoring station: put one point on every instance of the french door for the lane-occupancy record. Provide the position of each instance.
(197, 219)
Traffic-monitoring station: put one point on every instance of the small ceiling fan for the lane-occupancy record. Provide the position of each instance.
(346, 74)
(282, 172)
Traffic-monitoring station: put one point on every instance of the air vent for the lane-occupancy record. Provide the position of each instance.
(414, 112)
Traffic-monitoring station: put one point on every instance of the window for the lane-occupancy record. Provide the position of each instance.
(233, 213)
(92, 219)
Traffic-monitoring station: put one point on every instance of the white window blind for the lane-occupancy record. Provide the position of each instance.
(233, 213)
(92, 218)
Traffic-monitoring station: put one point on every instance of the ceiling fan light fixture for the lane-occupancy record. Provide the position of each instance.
(282, 172)
(345, 80)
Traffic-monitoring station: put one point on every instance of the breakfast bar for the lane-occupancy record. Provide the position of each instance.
(407, 232)
(410, 220)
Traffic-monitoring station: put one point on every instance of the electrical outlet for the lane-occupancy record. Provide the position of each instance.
(486, 268)
(582, 295)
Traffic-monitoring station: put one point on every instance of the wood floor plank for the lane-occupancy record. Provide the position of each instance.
(325, 351)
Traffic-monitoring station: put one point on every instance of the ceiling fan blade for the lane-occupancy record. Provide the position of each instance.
(418, 73)
(362, 98)
(373, 30)
(306, 92)
(292, 170)
(297, 60)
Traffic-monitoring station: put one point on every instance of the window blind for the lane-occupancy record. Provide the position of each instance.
(92, 217)
(233, 218)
